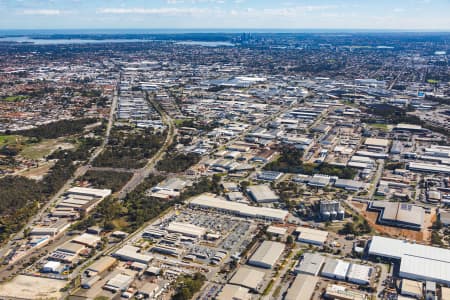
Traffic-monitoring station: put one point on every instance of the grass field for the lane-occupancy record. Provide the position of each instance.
(44, 148)
(13, 98)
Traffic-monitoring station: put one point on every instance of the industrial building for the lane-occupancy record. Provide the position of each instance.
(81, 199)
(131, 253)
(417, 262)
(412, 288)
(331, 210)
(262, 194)
(239, 209)
(334, 291)
(186, 229)
(359, 274)
(335, 269)
(101, 265)
(267, 255)
(230, 291)
(87, 239)
(249, 278)
(310, 264)
(120, 282)
(302, 288)
(351, 185)
(429, 168)
(276, 231)
(311, 236)
(398, 214)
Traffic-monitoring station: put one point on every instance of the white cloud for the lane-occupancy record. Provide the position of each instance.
(170, 11)
(42, 12)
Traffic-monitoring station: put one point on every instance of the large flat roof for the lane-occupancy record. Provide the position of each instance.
(244, 210)
(302, 288)
(267, 253)
(101, 193)
(248, 277)
(418, 261)
(186, 229)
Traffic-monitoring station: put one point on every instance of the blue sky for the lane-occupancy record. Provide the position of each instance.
(282, 14)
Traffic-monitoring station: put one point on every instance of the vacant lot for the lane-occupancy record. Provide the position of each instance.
(29, 287)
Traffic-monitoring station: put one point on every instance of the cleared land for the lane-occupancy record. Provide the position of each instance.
(29, 287)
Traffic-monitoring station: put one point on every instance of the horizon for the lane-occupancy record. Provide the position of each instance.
(401, 15)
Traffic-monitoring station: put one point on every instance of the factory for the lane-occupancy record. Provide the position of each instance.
(230, 291)
(398, 214)
(417, 262)
(267, 255)
(239, 209)
(248, 278)
(359, 274)
(101, 265)
(186, 229)
(334, 291)
(302, 288)
(331, 210)
(310, 264)
(120, 282)
(335, 269)
(429, 168)
(131, 253)
(311, 236)
(79, 199)
(262, 194)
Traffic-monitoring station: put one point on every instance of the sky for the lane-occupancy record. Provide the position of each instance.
(229, 14)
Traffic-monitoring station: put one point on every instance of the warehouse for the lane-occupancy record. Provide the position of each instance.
(249, 278)
(376, 142)
(302, 288)
(101, 265)
(276, 231)
(359, 274)
(334, 291)
(311, 236)
(239, 209)
(335, 269)
(262, 194)
(186, 229)
(52, 267)
(310, 264)
(398, 214)
(267, 255)
(120, 282)
(70, 247)
(130, 253)
(412, 288)
(234, 292)
(429, 168)
(351, 185)
(87, 239)
(417, 262)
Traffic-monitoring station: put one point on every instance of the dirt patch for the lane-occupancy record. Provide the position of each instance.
(371, 217)
(29, 287)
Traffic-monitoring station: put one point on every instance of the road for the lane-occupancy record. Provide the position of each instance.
(149, 168)
(377, 177)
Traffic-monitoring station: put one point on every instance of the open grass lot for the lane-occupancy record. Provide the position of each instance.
(37, 173)
(13, 98)
(44, 148)
(11, 140)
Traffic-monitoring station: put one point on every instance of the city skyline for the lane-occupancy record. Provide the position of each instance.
(226, 14)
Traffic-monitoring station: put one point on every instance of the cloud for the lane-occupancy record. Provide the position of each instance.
(169, 11)
(42, 12)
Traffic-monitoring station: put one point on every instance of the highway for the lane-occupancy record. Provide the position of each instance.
(149, 168)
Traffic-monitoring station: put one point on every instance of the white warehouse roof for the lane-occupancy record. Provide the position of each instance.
(311, 236)
(267, 254)
(418, 262)
(240, 209)
(186, 229)
(100, 193)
